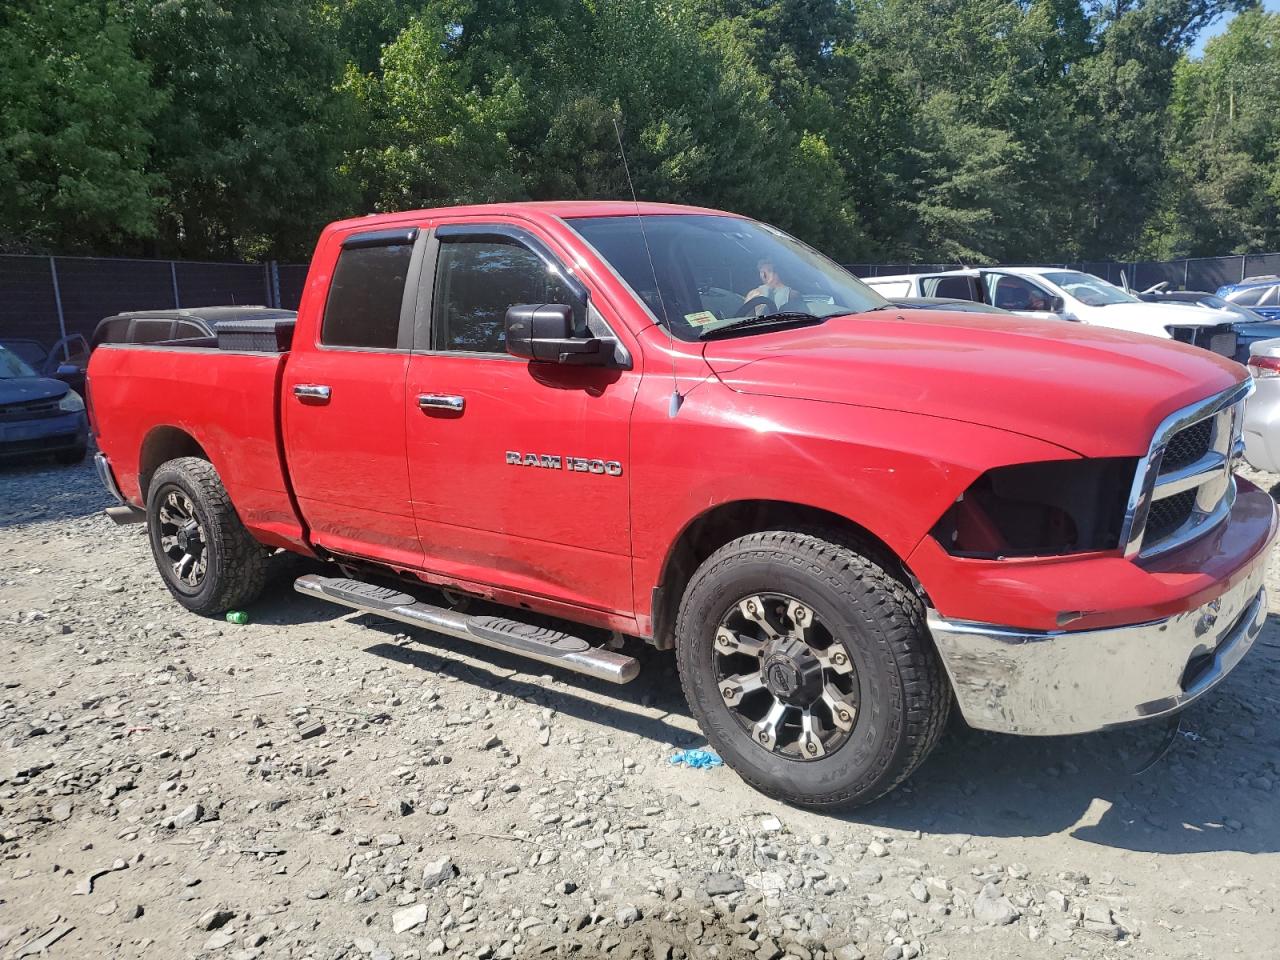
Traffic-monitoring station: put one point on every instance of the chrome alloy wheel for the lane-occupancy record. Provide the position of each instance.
(786, 679)
(182, 539)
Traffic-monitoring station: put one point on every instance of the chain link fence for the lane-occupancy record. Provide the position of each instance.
(47, 298)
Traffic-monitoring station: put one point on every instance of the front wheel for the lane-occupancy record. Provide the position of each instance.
(207, 558)
(810, 668)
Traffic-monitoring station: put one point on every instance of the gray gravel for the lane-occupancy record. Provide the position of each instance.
(318, 784)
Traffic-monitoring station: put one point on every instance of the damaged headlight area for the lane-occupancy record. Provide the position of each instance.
(1051, 508)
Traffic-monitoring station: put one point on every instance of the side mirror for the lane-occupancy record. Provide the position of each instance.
(67, 370)
(1057, 304)
(544, 332)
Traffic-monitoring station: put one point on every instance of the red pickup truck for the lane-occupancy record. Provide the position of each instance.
(685, 426)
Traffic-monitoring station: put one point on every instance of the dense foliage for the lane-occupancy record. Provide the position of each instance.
(971, 130)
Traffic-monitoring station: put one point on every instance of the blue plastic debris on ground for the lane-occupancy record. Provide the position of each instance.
(696, 759)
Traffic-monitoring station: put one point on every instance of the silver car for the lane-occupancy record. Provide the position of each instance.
(1262, 412)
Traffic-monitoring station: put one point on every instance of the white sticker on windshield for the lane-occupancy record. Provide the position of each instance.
(700, 319)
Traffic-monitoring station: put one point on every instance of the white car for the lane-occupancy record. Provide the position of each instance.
(1056, 293)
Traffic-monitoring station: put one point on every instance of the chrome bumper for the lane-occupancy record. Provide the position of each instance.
(1048, 684)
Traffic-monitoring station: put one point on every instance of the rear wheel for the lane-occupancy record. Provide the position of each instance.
(810, 669)
(207, 558)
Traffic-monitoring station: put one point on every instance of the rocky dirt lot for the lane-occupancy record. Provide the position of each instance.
(318, 784)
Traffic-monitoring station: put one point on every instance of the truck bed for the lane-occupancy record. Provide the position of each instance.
(148, 400)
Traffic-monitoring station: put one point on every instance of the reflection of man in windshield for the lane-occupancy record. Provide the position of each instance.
(772, 287)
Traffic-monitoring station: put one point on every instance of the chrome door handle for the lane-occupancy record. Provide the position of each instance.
(440, 401)
(311, 391)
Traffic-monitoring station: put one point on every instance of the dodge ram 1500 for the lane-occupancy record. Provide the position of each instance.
(531, 424)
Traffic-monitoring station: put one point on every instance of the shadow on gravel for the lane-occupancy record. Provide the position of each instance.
(1202, 796)
(45, 492)
(1199, 797)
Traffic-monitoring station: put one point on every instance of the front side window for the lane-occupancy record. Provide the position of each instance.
(363, 309)
(703, 273)
(1016, 293)
(476, 281)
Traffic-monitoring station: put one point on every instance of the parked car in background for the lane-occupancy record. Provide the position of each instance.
(1055, 293)
(1262, 412)
(1260, 294)
(39, 416)
(164, 326)
(1250, 326)
(943, 303)
(66, 360)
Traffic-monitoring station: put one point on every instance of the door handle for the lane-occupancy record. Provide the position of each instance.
(440, 401)
(311, 391)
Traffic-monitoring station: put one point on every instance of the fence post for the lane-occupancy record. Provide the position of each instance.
(173, 276)
(275, 284)
(57, 302)
(1186, 274)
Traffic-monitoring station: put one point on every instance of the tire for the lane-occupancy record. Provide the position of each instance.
(897, 686)
(234, 564)
(71, 457)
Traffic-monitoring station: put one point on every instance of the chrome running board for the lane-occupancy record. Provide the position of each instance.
(525, 639)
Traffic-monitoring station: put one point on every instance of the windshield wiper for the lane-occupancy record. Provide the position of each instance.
(781, 319)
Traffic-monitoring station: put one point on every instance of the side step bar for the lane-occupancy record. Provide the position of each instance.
(524, 639)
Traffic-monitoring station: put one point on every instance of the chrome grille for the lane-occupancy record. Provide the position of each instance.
(1184, 486)
(1187, 446)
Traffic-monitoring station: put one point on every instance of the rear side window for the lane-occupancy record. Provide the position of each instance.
(957, 288)
(476, 281)
(363, 309)
(151, 331)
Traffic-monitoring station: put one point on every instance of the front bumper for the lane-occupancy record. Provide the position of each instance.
(1053, 683)
(28, 438)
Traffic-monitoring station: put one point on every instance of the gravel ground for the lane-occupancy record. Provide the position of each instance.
(318, 784)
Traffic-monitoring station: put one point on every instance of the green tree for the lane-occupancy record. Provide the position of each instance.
(252, 138)
(74, 135)
(1223, 192)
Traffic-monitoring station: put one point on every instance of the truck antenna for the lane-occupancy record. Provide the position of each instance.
(674, 407)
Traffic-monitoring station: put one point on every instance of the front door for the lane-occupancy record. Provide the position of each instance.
(1019, 295)
(343, 400)
(518, 471)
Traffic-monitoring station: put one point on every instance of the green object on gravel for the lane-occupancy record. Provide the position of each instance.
(237, 616)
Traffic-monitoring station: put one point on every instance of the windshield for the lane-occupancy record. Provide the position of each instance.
(12, 366)
(1090, 290)
(714, 272)
(1217, 303)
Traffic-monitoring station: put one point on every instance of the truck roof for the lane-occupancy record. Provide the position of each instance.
(539, 208)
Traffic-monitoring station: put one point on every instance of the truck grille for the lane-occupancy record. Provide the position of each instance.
(29, 410)
(1184, 486)
(1187, 446)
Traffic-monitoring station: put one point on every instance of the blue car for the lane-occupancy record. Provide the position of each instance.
(1259, 294)
(39, 416)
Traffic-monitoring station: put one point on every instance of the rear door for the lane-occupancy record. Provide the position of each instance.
(343, 402)
(518, 470)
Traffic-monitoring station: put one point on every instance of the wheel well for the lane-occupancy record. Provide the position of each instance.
(727, 522)
(162, 445)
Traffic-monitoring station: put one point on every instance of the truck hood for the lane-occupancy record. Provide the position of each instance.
(1094, 391)
(25, 389)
